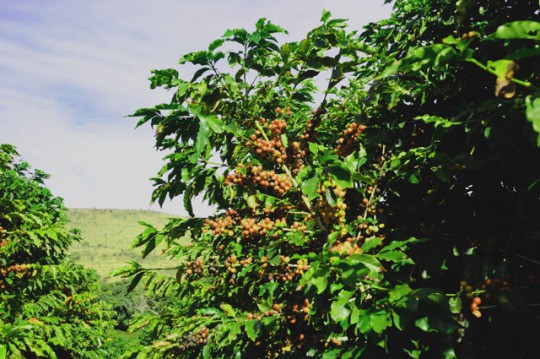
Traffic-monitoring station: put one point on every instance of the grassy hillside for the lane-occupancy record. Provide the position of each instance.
(107, 235)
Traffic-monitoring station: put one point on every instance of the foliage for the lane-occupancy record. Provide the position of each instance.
(391, 214)
(48, 305)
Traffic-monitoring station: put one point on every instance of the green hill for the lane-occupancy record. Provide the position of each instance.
(107, 235)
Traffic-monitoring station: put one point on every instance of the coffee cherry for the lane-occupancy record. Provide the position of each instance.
(349, 142)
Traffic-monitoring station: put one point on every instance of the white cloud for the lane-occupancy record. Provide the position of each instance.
(71, 70)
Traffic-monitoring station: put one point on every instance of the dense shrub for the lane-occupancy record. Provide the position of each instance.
(377, 193)
(48, 305)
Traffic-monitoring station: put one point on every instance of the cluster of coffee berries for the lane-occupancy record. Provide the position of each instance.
(280, 183)
(234, 178)
(269, 180)
(467, 288)
(349, 246)
(251, 227)
(251, 316)
(269, 147)
(19, 270)
(309, 135)
(473, 295)
(469, 35)
(245, 262)
(288, 112)
(264, 264)
(193, 340)
(298, 312)
(495, 286)
(276, 309)
(264, 147)
(476, 301)
(277, 126)
(301, 266)
(4, 242)
(349, 142)
(212, 267)
(195, 267)
(299, 227)
(296, 156)
(221, 225)
(333, 341)
(371, 209)
(231, 263)
(287, 272)
(332, 214)
(369, 228)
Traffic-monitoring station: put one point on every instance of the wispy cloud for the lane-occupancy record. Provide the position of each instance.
(72, 70)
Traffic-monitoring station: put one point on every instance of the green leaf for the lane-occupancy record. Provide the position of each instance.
(524, 53)
(437, 121)
(423, 324)
(398, 320)
(379, 321)
(320, 279)
(371, 243)
(215, 124)
(202, 135)
(338, 309)
(532, 111)
(255, 37)
(455, 304)
(450, 354)
(518, 30)
(414, 179)
(285, 51)
(332, 354)
(430, 56)
(163, 78)
(392, 256)
(330, 197)
(503, 68)
(3, 351)
(135, 281)
(313, 148)
(363, 324)
(304, 46)
(234, 330)
(368, 261)
(398, 292)
(401, 244)
(228, 309)
(325, 15)
(341, 175)
(252, 329)
(310, 187)
(252, 202)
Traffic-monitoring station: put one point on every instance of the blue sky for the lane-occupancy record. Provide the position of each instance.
(71, 70)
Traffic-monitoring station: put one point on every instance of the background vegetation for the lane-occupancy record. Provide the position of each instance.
(49, 306)
(107, 235)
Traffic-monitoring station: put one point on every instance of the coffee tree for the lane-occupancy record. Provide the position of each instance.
(48, 305)
(376, 192)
